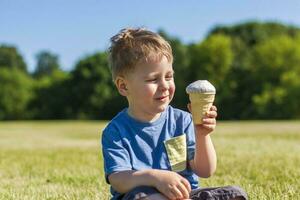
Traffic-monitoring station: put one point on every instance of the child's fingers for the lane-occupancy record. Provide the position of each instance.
(170, 194)
(184, 191)
(211, 114)
(177, 193)
(209, 121)
(213, 108)
(187, 184)
(209, 127)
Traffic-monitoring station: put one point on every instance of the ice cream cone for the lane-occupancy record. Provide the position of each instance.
(201, 95)
(201, 103)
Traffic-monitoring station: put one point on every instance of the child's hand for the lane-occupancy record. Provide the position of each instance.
(209, 121)
(171, 184)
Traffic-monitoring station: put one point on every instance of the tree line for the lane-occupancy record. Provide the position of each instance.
(255, 67)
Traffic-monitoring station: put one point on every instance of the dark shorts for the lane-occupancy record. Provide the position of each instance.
(216, 193)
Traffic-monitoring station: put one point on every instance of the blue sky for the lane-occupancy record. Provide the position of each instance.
(73, 29)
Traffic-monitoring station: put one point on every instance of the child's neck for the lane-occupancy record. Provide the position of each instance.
(143, 117)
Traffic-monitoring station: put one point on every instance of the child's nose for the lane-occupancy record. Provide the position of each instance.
(164, 85)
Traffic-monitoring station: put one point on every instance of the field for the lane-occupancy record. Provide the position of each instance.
(62, 159)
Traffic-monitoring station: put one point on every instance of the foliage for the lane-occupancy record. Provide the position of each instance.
(252, 33)
(47, 63)
(15, 93)
(50, 97)
(277, 70)
(254, 67)
(212, 60)
(11, 58)
(253, 70)
(91, 88)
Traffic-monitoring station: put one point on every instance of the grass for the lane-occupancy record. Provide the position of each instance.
(62, 159)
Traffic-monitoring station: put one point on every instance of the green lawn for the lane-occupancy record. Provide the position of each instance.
(62, 159)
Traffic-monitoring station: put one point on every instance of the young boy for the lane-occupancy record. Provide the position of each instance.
(152, 150)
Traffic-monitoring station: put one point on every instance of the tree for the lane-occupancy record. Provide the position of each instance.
(15, 93)
(47, 63)
(239, 102)
(277, 72)
(212, 60)
(51, 97)
(254, 32)
(10, 58)
(92, 90)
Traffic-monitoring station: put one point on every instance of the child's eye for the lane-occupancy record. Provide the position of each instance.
(170, 77)
(151, 80)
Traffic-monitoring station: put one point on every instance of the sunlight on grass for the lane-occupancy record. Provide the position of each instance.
(62, 159)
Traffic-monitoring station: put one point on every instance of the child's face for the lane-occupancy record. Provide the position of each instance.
(150, 88)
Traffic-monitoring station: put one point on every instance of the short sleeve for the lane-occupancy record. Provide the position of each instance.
(190, 133)
(116, 157)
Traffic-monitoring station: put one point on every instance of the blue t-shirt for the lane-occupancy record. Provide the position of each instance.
(168, 143)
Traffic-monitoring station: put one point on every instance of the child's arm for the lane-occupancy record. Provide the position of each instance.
(133, 179)
(205, 160)
(169, 183)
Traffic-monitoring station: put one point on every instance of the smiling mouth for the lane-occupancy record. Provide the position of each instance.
(162, 98)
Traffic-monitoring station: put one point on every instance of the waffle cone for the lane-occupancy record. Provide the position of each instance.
(201, 103)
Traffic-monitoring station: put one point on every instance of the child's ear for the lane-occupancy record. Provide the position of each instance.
(121, 84)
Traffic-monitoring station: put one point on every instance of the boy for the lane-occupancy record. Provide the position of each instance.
(152, 150)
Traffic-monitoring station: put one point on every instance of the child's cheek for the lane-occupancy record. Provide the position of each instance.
(172, 89)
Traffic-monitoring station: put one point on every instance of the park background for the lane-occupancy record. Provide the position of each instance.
(56, 92)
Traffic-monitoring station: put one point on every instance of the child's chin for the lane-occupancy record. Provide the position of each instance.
(162, 108)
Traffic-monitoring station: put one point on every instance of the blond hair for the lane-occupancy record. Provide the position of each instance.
(131, 46)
